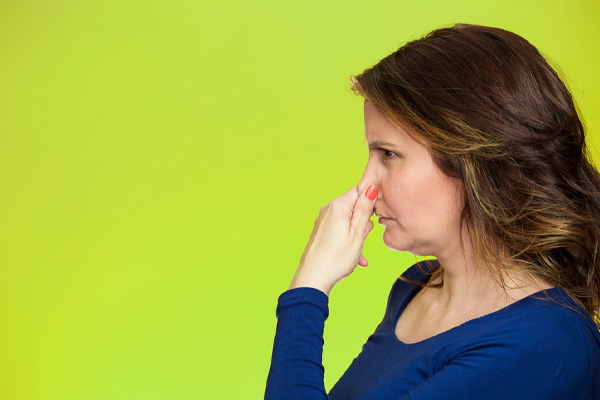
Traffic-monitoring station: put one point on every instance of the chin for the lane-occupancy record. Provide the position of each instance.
(397, 244)
(393, 243)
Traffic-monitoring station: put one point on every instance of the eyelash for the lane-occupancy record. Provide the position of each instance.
(386, 154)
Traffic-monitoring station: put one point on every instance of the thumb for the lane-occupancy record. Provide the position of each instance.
(363, 209)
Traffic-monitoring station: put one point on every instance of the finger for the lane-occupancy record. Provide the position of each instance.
(350, 196)
(346, 201)
(314, 231)
(369, 227)
(363, 261)
(363, 209)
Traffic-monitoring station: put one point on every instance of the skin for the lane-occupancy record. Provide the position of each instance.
(420, 208)
(335, 245)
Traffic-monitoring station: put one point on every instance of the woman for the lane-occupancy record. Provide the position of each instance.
(476, 157)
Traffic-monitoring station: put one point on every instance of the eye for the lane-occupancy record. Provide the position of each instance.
(386, 154)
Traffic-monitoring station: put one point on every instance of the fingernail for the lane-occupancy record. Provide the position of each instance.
(371, 192)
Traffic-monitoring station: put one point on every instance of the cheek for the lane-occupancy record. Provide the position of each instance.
(447, 203)
(412, 197)
(428, 198)
(422, 206)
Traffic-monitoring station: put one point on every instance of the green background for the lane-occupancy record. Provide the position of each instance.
(162, 163)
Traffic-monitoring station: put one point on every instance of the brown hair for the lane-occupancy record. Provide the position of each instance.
(494, 114)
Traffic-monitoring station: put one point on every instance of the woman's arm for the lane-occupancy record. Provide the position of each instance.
(332, 253)
(296, 365)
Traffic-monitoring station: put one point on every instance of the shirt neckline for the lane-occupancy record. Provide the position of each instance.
(415, 289)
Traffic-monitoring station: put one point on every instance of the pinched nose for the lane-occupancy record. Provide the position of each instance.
(371, 192)
(365, 184)
(370, 178)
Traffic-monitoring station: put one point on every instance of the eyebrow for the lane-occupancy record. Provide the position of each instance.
(378, 143)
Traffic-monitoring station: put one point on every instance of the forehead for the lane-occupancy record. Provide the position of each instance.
(379, 129)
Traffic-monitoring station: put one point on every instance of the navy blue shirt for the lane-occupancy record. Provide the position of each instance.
(541, 347)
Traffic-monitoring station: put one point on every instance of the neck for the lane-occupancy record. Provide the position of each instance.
(468, 287)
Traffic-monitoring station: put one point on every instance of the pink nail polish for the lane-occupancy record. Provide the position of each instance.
(371, 192)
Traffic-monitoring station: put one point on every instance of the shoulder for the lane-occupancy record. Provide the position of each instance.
(541, 354)
(558, 326)
(553, 315)
(545, 343)
(549, 321)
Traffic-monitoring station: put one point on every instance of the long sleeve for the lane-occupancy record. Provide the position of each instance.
(540, 347)
(296, 364)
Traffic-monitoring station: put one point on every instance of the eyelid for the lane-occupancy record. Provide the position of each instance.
(386, 154)
(383, 149)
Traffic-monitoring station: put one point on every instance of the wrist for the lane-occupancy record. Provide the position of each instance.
(299, 282)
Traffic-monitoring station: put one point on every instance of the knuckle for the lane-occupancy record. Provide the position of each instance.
(363, 207)
(334, 204)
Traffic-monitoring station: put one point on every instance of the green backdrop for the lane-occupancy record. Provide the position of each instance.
(162, 163)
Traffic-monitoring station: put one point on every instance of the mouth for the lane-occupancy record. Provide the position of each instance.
(382, 220)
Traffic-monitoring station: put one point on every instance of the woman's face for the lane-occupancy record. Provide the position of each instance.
(419, 205)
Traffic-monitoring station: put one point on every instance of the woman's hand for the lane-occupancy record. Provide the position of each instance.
(335, 245)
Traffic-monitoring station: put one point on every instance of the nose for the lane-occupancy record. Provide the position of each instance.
(370, 178)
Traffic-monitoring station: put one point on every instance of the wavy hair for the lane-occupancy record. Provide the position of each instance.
(494, 114)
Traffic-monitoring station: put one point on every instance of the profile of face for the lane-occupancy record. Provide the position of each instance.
(417, 203)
